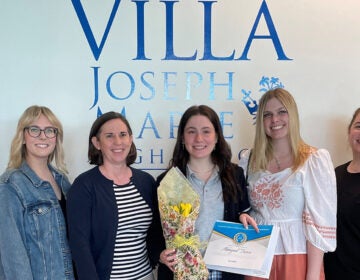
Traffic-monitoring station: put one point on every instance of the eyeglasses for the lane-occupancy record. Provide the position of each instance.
(35, 131)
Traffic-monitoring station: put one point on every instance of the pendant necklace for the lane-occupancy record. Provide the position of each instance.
(277, 164)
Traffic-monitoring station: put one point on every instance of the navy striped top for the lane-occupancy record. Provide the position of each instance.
(130, 259)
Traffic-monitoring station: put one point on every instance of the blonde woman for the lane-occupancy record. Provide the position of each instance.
(32, 201)
(291, 185)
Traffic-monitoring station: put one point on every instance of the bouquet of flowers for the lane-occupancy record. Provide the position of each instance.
(179, 208)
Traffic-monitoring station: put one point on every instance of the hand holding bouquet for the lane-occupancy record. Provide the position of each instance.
(179, 208)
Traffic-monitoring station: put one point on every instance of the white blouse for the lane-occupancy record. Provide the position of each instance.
(302, 203)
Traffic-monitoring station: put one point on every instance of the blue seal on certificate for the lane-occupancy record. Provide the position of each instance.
(240, 237)
(236, 249)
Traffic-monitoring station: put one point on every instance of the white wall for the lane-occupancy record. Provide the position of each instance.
(47, 60)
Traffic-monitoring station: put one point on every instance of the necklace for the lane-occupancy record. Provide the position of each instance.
(202, 172)
(277, 163)
(286, 161)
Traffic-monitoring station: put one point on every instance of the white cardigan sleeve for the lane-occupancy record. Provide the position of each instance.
(319, 215)
(244, 160)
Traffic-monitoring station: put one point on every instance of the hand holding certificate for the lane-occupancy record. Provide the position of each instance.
(235, 249)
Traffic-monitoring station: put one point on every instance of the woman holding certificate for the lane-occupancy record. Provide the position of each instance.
(291, 185)
(204, 157)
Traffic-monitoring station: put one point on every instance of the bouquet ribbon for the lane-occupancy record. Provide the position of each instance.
(179, 207)
(179, 241)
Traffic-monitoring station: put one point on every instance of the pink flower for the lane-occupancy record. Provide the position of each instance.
(267, 193)
(189, 259)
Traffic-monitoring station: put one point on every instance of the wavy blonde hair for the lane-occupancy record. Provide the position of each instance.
(262, 151)
(18, 149)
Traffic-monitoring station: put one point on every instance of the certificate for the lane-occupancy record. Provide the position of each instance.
(235, 249)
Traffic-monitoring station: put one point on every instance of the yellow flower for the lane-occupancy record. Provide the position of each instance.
(185, 209)
(176, 208)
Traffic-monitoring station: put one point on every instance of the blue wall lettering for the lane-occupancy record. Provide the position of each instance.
(190, 85)
(140, 29)
(264, 10)
(224, 124)
(207, 34)
(169, 21)
(96, 50)
(159, 156)
(174, 124)
(169, 6)
(229, 85)
(96, 86)
(168, 84)
(99, 112)
(152, 126)
(147, 85)
(109, 88)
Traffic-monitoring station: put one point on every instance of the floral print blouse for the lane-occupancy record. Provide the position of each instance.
(301, 203)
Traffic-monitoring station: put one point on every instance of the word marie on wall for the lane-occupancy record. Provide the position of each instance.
(125, 85)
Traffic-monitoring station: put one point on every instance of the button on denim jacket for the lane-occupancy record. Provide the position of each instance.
(33, 242)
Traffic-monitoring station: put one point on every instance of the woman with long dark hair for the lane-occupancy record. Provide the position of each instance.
(204, 157)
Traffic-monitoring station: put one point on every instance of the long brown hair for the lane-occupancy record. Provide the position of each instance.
(221, 155)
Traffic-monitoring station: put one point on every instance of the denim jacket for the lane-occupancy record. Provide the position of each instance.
(33, 241)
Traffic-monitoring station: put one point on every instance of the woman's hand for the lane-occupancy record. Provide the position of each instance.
(168, 257)
(246, 220)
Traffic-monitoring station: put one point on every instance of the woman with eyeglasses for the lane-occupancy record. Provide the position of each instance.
(33, 240)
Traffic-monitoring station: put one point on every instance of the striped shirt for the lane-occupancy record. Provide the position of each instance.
(130, 259)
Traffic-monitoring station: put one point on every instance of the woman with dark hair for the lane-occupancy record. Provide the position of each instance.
(204, 157)
(112, 208)
(344, 262)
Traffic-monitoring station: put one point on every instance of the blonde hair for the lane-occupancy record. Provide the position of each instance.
(262, 151)
(18, 149)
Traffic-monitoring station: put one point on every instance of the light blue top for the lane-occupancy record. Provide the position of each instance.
(33, 242)
(211, 203)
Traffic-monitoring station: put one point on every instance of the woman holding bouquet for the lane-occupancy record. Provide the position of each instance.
(204, 157)
(112, 208)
